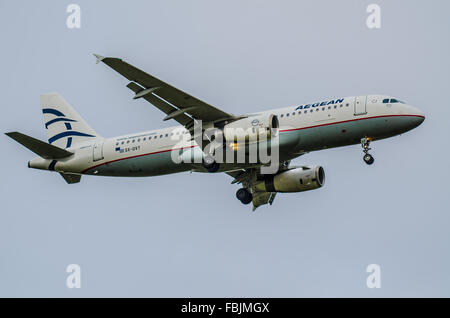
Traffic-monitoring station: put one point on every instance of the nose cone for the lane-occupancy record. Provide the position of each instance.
(417, 116)
(414, 117)
(420, 119)
(415, 121)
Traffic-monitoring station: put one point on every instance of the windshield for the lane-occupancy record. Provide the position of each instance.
(392, 101)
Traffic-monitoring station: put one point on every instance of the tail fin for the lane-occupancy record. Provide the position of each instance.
(65, 127)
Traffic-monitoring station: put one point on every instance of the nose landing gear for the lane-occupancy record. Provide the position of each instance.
(368, 158)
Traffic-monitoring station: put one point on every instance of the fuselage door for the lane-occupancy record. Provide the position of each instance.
(360, 105)
(97, 151)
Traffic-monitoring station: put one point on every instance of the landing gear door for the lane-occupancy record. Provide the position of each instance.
(360, 105)
(97, 151)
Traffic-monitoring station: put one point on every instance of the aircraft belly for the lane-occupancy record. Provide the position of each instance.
(348, 133)
(293, 142)
(143, 166)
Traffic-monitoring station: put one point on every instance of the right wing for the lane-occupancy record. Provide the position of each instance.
(177, 104)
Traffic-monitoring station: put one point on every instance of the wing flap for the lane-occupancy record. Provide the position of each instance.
(261, 198)
(160, 104)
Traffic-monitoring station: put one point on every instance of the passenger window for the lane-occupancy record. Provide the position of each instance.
(323, 108)
(341, 105)
(139, 139)
(160, 136)
(282, 116)
(293, 113)
(346, 105)
(287, 115)
(128, 141)
(335, 106)
(123, 142)
(317, 109)
(311, 110)
(167, 135)
(305, 111)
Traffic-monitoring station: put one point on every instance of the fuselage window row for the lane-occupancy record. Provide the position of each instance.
(312, 110)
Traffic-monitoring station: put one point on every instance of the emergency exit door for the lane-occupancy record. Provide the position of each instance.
(360, 105)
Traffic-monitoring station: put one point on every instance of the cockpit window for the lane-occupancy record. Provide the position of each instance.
(392, 101)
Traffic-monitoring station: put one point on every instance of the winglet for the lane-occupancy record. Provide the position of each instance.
(99, 58)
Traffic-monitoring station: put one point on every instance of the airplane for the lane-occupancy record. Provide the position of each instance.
(75, 149)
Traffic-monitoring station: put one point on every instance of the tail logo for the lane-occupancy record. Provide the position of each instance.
(60, 117)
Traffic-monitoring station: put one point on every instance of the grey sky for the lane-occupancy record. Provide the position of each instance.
(186, 234)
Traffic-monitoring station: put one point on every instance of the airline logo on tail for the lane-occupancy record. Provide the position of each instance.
(60, 117)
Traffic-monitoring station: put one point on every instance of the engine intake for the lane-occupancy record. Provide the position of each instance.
(294, 180)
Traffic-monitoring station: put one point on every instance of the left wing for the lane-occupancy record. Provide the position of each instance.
(177, 104)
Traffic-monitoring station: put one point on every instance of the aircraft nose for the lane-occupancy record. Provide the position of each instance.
(417, 116)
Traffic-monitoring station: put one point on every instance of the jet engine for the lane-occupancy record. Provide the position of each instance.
(252, 128)
(294, 180)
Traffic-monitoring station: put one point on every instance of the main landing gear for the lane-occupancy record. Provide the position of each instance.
(244, 195)
(368, 158)
(210, 164)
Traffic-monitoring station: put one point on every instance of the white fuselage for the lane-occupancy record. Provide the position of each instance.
(303, 128)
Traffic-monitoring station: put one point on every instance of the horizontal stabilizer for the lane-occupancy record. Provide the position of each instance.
(39, 147)
(71, 177)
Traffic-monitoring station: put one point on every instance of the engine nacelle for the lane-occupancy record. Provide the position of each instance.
(252, 128)
(294, 180)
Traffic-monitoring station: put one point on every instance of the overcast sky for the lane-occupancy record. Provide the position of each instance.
(186, 235)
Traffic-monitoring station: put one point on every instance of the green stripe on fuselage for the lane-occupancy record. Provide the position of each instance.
(292, 143)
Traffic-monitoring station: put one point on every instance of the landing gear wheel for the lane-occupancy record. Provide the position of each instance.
(244, 195)
(210, 164)
(368, 159)
(365, 142)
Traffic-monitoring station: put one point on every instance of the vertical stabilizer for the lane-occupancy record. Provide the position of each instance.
(64, 126)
